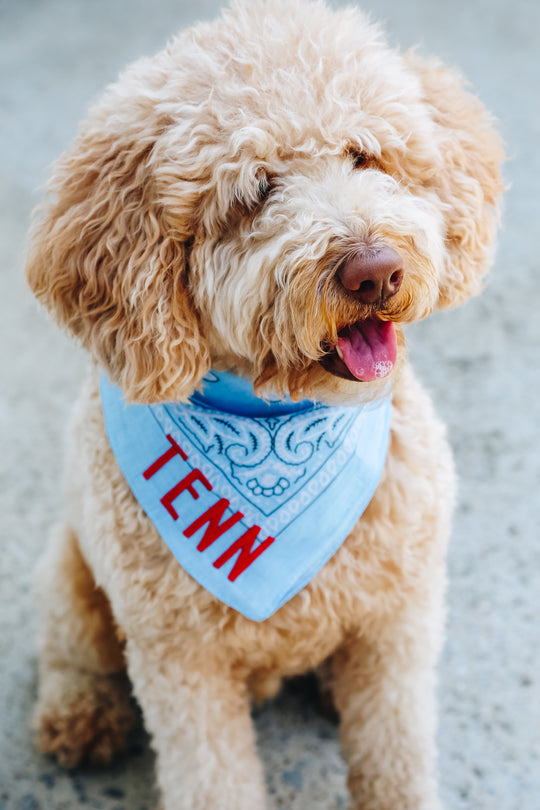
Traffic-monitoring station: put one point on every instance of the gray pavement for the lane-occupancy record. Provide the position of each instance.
(481, 363)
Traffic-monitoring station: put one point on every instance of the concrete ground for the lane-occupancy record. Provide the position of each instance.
(481, 363)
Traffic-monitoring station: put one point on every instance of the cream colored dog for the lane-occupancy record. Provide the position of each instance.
(258, 197)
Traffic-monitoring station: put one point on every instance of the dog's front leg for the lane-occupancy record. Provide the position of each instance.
(383, 685)
(199, 716)
(83, 711)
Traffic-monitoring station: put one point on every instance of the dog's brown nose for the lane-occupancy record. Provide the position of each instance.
(373, 277)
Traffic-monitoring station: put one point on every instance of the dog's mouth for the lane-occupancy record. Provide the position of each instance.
(365, 351)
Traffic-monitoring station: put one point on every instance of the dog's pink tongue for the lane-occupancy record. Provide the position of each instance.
(369, 348)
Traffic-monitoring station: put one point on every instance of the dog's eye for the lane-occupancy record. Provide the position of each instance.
(248, 200)
(264, 189)
(360, 159)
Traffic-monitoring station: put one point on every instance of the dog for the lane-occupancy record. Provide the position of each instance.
(261, 207)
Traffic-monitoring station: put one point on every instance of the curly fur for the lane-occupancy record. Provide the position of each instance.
(201, 218)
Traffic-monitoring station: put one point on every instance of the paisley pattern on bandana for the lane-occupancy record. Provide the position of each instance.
(252, 497)
(277, 465)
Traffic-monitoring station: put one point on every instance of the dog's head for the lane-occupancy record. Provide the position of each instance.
(276, 193)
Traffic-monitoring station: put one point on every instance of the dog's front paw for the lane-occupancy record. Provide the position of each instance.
(389, 792)
(86, 720)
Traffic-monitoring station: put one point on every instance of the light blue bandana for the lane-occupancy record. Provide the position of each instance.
(252, 497)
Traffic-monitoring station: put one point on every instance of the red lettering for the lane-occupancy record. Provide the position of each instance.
(185, 483)
(244, 545)
(174, 450)
(214, 529)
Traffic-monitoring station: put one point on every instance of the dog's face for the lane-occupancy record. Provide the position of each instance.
(276, 193)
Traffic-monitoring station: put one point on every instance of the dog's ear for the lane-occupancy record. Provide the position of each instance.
(109, 267)
(468, 181)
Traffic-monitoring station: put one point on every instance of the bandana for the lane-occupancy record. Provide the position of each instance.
(251, 496)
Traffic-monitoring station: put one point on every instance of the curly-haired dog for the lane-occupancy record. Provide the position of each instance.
(274, 195)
